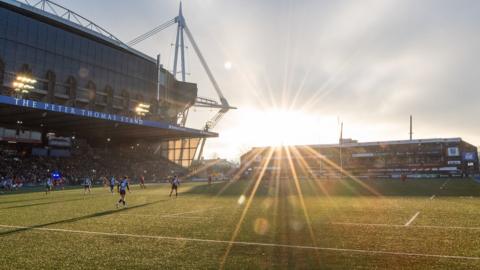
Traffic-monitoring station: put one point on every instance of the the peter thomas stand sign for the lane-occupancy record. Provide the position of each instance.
(76, 111)
(32, 104)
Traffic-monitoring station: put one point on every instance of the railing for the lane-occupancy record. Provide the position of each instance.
(69, 15)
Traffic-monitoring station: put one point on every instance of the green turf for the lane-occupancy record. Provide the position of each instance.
(50, 232)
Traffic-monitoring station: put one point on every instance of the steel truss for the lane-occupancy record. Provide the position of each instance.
(71, 16)
(223, 106)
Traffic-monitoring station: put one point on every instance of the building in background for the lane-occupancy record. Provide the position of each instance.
(76, 79)
(413, 158)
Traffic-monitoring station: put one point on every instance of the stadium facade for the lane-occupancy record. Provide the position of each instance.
(87, 84)
(413, 158)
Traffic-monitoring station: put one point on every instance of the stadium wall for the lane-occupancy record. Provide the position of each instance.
(76, 68)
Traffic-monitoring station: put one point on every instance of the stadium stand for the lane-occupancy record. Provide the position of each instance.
(23, 167)
(444, 157)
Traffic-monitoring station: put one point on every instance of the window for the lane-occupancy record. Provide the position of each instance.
(42, 36)
(83, 48)
(453, 152)
(40, 58)
(91, 52)
(103, 56)
(10, 50)
(59, 67)
(22, 35)
(111, 58)
(32, 33)
(51, 37)
(68, 66)
(60, 43)
(3, 24)
(30, 55)
(3, 43)
(12, 25)
(76, 47)
(21, 52)
(124, 64)
(68, 44)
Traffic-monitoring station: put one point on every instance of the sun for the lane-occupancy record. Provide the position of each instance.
(284, 127)
(255, 127)
(227, 65)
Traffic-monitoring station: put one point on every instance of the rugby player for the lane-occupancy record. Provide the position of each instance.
(122, 188)
(175, 184)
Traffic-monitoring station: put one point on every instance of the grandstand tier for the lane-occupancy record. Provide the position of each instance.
(413, 158)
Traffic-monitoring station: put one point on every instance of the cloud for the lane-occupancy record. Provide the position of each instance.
(373, 63)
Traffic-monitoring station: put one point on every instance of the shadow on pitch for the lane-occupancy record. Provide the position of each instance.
(46, 203)
(94, 215)
(40, 188)
(450, 187)
(25, 200)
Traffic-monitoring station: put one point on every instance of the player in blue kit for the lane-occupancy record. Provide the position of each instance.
(175, 183)
(122, 188)
(112, 184)
(48, 185)
(87, 185)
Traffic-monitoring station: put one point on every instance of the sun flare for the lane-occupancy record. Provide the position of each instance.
(286, 127)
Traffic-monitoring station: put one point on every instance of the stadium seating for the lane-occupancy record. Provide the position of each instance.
(86, 161)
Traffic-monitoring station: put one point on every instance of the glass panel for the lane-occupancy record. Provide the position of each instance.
(20, 55)
(68, 44)
(32, 33)
(12, 26)
(51, 37)
(3, 44)
(22, 34)
(171, 155)
(3, 23)
(47, 47)
(91, 51)
(30, 56)
(42, 36)
(9, 56)
(50, 61)
(60, 42)
(76, 48)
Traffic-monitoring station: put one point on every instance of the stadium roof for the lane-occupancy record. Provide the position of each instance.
(82, 122)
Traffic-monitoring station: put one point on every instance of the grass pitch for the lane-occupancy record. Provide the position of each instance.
(334, 224)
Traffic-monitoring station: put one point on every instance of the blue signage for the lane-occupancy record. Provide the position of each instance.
(56, 175)
(98, 115)
(470, 156)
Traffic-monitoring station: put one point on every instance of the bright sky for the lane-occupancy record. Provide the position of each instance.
(295, 67)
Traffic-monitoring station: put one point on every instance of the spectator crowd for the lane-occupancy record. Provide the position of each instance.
(20, 168)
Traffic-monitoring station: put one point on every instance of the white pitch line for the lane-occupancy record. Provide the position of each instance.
(159, 216)
(190, 212)
(249, 243)
(174, 214)
(433, 196)
(444, 183)
(412, 219)
(403, 226)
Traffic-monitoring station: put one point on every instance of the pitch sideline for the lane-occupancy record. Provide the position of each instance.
(345, 250)
(403, 226)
